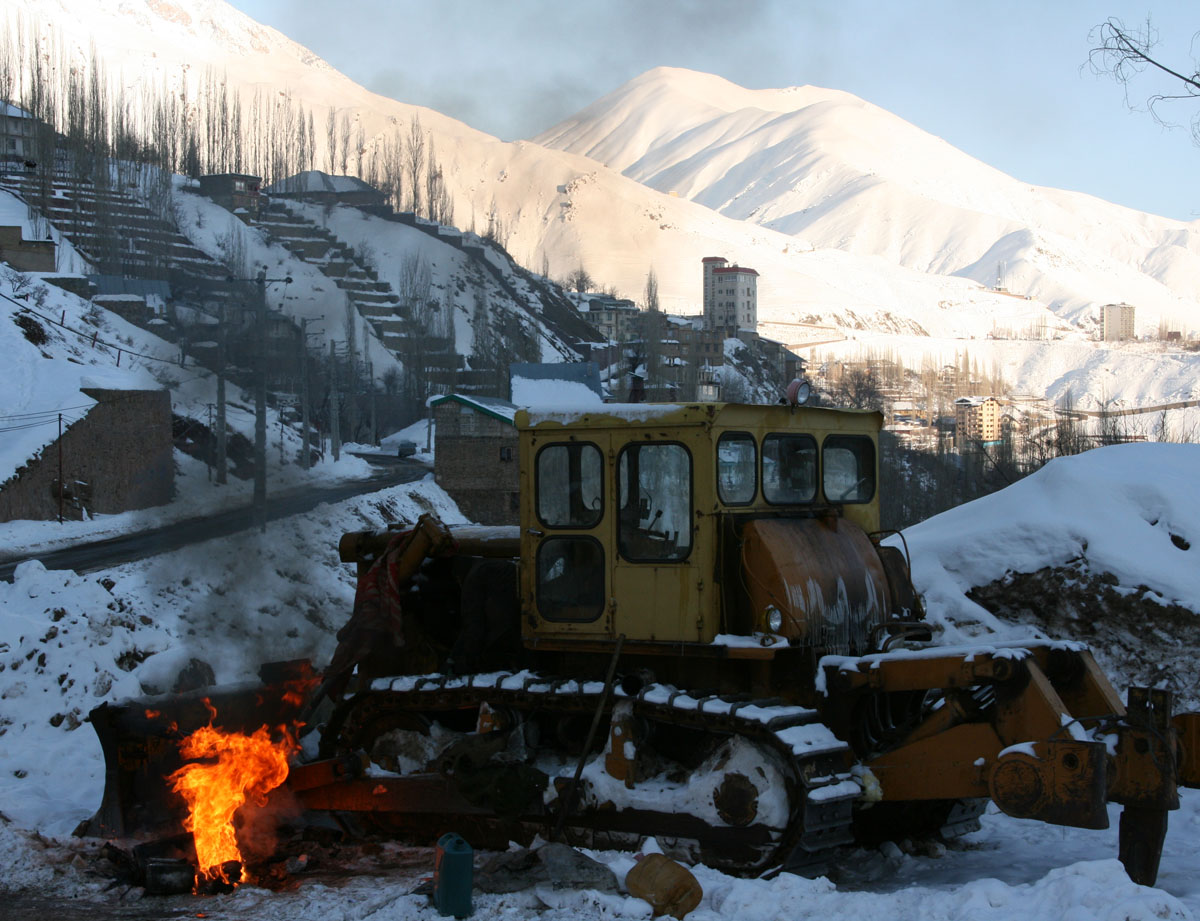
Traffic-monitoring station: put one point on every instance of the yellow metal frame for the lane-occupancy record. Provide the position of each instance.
(667, 602)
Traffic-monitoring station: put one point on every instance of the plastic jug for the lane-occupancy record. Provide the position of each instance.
(453, 874)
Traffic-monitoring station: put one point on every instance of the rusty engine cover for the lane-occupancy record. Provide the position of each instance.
(823, 575)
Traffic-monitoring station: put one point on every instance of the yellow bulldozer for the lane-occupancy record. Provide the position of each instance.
(697, 632)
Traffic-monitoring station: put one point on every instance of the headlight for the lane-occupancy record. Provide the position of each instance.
(774, 619)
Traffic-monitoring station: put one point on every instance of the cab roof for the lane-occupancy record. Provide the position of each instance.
(722, 415)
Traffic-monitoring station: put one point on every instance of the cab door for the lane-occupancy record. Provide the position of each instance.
(658, 585)
(565, 541)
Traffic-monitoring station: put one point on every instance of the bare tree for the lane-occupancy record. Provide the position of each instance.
(1125, 53)
(344, 143)
(331, 146)
(416, 160)
(580, 281)
(652, 291)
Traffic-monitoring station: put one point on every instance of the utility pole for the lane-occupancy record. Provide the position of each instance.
(260, 407)
(352, 389)
(61, 487)
(305, 459)
(374, 419)
(222, 437)
(208, 457)
(335, 437)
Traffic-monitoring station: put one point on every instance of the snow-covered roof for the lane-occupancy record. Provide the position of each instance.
(499, 409)
(973, 400)
(316, 181)
(586, 373)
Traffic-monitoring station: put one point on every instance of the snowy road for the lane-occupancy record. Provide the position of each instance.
(114, 551)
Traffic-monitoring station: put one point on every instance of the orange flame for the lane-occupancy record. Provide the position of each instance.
(236, 768)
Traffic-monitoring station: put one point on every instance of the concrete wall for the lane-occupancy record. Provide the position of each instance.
(116, 458)
(26, 255)
(470, 463)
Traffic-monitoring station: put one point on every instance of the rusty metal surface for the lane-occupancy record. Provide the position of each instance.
(1187, 727)
(499, 542)
(939, 766)
(1062, 782)
(823, 575)
(1144, 767)
(413, 794)
(1140, 843)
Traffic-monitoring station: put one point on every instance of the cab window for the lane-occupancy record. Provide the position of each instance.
(570, 578)
(848, 462)
(570, 479)
(737, 468)
(655, 502)
(789, 469)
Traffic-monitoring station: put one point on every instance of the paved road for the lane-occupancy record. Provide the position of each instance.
(101, 554)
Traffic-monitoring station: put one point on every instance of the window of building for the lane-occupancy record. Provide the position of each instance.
(848, 462)
(737, 468)
(570, 578)
(570, 485)
(789, 472)
(506, 453)
(655, 501)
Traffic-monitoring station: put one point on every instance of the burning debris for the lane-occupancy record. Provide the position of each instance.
(236, 769)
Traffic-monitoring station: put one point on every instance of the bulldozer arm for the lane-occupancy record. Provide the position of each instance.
(1037, 729)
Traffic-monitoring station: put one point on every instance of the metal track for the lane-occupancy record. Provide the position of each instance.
(820, 788)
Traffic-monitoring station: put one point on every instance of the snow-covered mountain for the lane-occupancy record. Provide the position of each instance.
(837, 172)
(561, 208)
(853, 217)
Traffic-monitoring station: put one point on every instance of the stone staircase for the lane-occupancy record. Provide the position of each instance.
(374, 300)
(117, 233)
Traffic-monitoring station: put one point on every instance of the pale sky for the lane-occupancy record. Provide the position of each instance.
(1006, 82)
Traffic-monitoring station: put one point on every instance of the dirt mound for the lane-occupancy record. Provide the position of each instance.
(1136, 637)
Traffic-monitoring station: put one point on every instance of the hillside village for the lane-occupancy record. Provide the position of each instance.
(320, 290)
(230, 273)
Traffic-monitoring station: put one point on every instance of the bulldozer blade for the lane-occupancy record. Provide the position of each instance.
(1141, 837)
(140, 741)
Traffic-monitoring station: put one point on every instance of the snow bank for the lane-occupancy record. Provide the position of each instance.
(69, 642)
(1121, 509)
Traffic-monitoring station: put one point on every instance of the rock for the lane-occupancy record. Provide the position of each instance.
(193, 676)
(567, 868)
(556, 865)
(511, 872)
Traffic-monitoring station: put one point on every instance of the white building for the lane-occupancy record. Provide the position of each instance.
(1116, 322)
(16, 133)
(730, 295)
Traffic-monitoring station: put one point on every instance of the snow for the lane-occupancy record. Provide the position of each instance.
(42, 382)
(70, 642)
(845, 230)
(553, 395)
(1117, 507)
(852, 217)
(242, 600)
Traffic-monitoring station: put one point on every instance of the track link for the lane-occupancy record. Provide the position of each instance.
(816, 765)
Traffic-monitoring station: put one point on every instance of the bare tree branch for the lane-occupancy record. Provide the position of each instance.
(1124, 54)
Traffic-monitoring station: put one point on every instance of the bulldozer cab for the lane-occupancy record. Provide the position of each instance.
(629, 513)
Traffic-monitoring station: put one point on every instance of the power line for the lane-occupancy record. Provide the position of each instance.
(46, 412)
(94, 339)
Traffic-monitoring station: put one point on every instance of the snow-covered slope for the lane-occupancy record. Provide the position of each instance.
(560, 206)
(886, 204)
(836, 171)
(68, 643)
(1102, 546)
